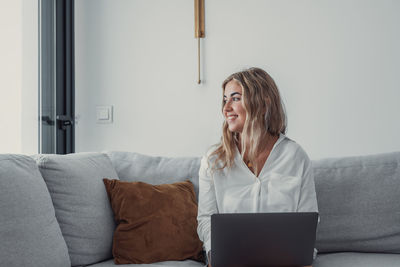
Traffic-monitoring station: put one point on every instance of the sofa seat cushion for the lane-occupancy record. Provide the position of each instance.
(29, 232)
(75, 182)
(186, 263)
(357, 259)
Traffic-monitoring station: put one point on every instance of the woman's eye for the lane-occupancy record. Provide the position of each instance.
(236, 99)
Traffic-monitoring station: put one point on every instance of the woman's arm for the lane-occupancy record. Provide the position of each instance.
(308, 197)
(207, 204)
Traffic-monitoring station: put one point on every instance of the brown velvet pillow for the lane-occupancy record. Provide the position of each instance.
(154, 222)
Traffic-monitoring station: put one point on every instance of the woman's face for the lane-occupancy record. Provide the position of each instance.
(234, 112)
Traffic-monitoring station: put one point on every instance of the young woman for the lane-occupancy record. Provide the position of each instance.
(255, 167)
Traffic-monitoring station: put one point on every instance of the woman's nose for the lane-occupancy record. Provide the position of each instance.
(227, 106)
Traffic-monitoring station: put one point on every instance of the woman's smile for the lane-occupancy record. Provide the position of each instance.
(231, 117)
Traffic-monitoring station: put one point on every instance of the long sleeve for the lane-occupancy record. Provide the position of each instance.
(207, 204)
(308, 197)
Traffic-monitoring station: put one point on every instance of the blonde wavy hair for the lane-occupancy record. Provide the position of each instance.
(265, 113)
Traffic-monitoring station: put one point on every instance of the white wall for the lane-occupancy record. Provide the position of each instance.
(18, 76)
(10, 76)
(30, 70)
(336, 63)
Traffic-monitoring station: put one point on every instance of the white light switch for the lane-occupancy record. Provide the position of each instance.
(104, 114)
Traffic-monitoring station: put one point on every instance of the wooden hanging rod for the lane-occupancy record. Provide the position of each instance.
(199, 19)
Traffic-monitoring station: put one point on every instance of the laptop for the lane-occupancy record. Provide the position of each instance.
(263, 239)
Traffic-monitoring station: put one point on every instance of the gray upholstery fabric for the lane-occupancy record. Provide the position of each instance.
(81, 203)
(358, 200)
(345, 259)
(187, 263)
(155, 170)
(357, 260)
(29, 232)
(357, 196)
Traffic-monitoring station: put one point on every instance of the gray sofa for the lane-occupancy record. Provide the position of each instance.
(54, 210)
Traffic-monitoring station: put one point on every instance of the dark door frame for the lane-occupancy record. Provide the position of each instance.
(65, 78)
(56, 77)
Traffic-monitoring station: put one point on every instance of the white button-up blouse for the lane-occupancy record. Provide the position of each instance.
(285, 184)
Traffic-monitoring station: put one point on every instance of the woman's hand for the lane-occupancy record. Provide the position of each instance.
(209, 258)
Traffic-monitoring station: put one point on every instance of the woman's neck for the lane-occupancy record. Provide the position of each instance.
(267, 142)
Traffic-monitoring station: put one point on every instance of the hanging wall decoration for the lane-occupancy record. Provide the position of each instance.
(198, 29)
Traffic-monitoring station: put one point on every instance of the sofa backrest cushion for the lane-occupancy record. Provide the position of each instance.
(29, 232)
(75, 182)
(359, 203)
(135, 167)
